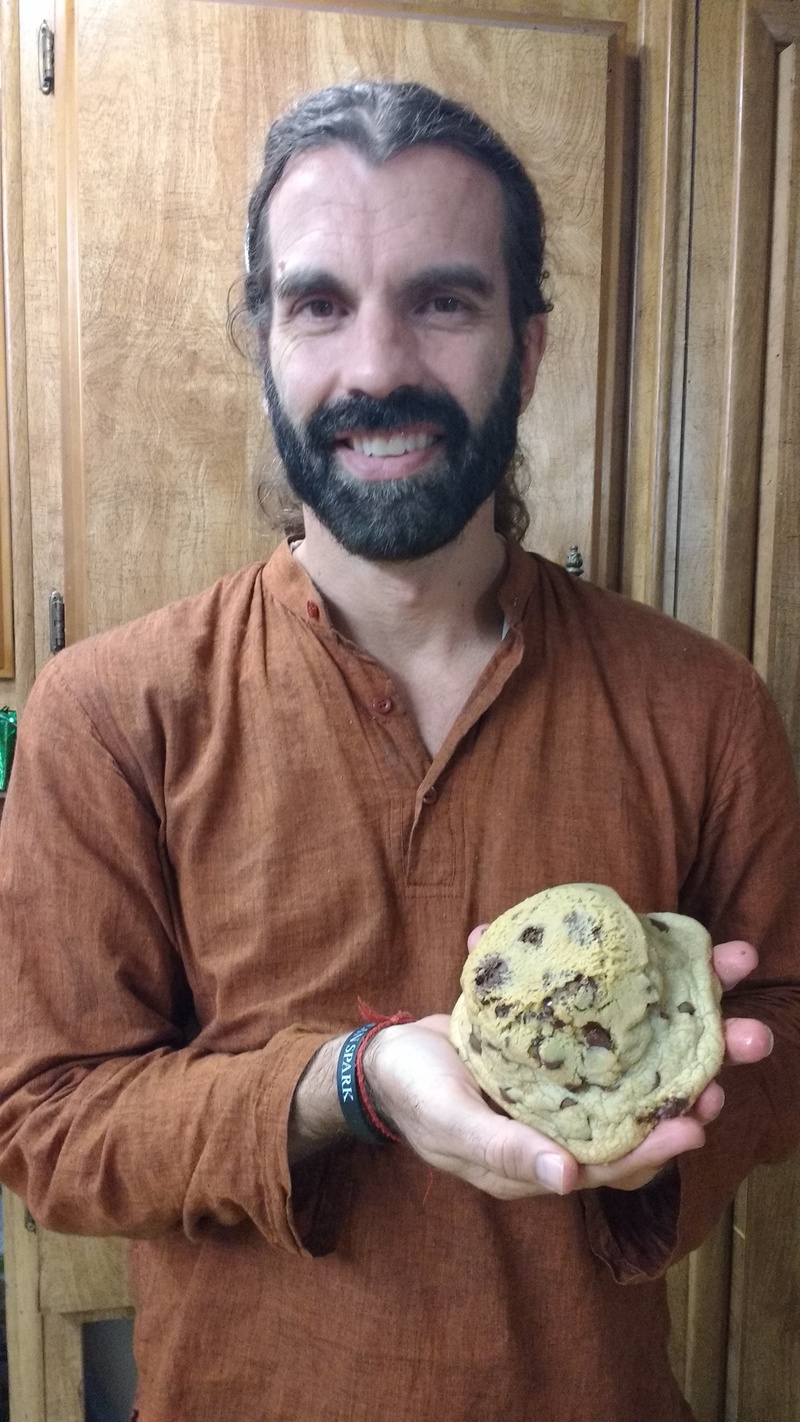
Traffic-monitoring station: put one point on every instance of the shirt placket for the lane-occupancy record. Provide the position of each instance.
(432, 836)
(425, 796)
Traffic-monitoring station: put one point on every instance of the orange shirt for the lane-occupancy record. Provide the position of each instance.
(222, 830)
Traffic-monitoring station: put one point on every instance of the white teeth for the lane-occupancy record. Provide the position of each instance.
(391, 444)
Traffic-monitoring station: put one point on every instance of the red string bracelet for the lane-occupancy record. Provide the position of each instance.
(377, 1025)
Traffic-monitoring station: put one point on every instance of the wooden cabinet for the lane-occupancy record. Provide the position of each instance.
(664, 138)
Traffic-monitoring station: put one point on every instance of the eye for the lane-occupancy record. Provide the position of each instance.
(444, 305)
(320, 308)
(447, 305)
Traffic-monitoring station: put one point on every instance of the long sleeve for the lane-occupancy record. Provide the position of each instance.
(112, 1119)
(745, 884)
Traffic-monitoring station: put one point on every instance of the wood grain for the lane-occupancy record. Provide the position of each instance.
(69, 290)
(39, 394)
(776, 637)
(6, 573)
(764, 1377)
(63, 1366)
(727, 321)
(23, 1320)
(764, 1371)
(15, 381)
(80, 1275)
(661, 247)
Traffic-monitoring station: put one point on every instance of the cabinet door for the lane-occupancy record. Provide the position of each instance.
(159, 113)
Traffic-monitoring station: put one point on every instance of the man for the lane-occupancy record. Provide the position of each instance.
(271, 809)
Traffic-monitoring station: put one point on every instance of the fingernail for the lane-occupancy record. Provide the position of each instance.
(550, 1172)
(771, 1036)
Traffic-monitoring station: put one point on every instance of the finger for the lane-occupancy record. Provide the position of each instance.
(747, 1040)
(504, 1156)
(668, 1139)
(709, 1103)
(437, 1022)
(476, 936)
(733, 961)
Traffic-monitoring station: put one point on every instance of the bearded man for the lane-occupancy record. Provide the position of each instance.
(302, 791)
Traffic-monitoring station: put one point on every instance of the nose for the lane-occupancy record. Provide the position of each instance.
(381, 352)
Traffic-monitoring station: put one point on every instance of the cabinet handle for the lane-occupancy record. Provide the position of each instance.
(58, 639)
(574, 563)
(47, 58)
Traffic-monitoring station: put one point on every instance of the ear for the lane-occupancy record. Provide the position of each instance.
(534, 340)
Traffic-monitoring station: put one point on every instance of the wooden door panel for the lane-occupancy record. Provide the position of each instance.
(764, 1356)
(162, 111)
(160, 140)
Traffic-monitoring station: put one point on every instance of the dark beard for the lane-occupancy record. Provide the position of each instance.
(405, 518)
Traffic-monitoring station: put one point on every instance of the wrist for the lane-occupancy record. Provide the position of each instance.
(361, 1115)
(315, 1119)
(375, 1079)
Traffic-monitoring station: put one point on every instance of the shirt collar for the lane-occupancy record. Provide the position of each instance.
(286, 580)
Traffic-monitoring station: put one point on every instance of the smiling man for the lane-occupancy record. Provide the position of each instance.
(304, 791)
(403, 374)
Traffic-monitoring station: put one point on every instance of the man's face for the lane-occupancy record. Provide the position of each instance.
(393, 384)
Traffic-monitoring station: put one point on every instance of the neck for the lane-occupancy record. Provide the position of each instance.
(393, 609)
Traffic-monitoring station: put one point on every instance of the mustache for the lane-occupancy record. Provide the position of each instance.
(409, 404)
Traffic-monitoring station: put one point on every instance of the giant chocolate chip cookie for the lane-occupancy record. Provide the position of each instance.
(588, 1021)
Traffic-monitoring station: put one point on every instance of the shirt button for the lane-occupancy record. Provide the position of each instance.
(312, 610)
(383, 705)
(431, 795)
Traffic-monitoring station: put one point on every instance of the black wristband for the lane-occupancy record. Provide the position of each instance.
(356, 1121)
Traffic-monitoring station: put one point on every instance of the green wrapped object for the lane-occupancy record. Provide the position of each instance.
(8, 737)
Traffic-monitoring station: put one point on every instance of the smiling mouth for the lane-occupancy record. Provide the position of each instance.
(387, 445)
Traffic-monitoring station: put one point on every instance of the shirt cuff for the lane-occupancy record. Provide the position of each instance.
(635, 1232)
(306, 1205)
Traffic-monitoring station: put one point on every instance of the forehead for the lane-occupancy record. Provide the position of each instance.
(333, 208)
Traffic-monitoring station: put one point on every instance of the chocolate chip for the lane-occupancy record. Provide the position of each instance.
(543, 1016)
(656, 1081)
(595, 1035)
(686, 1007)
(533, 1049)
(582, 928)
(656, 922)
(502, 1009)
(576, 1087)
(475, 1043)
(490, 973)
(566, 1101)
(581, 992)
(533, 934)
(674, 1106)
(553, 1066)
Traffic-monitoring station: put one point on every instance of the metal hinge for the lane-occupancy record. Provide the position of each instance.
(58, 640)
(47, 58)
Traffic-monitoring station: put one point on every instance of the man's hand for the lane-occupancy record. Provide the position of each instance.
(420, 1085)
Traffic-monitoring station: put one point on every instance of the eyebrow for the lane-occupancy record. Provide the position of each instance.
(458, 274)
(305, 282)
